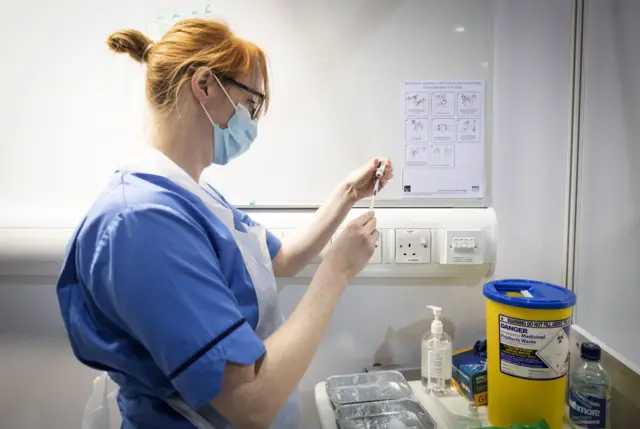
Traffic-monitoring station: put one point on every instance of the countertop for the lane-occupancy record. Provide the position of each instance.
(436, 410)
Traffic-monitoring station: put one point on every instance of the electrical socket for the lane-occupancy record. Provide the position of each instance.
(413, 246)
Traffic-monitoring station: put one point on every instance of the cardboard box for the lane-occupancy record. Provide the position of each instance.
(470, 375)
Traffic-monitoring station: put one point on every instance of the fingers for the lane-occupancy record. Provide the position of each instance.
(372, 167)
(388, 171)
(388, 167)
(370, 227)
(369, 172)
(363, 218)
(367, 221)
(373, 238)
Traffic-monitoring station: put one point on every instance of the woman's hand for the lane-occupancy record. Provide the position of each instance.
(360, 183)
(351, 252)
(297, 253)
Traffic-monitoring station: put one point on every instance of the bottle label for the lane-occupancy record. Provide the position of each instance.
(438, 366)
(588, 411)
(435, 362)
(533, 349)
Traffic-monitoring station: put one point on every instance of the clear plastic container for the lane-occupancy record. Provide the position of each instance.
(590, 391)
(437, 356)
(367, 387)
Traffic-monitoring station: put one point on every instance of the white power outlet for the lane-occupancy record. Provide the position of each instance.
(413, 246)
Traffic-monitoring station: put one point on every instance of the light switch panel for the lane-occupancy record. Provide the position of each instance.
(463, 246)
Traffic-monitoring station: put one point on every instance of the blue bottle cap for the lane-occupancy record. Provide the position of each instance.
(590, 351)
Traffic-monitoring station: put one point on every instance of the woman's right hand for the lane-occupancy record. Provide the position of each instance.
(353, 248)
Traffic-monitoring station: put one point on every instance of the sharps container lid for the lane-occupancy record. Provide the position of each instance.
(529, 294)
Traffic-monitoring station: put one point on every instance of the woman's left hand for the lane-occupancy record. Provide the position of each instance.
(360, 183)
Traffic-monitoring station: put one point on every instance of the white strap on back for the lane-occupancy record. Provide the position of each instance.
(181, 407)
(100, 407)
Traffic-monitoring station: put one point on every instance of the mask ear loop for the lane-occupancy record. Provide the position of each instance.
(207, 113)
(225, 91)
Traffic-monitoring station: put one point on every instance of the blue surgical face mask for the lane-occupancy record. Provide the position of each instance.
(233, 141)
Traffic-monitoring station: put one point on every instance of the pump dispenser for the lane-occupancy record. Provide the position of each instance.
(436, 356)
(436, 325)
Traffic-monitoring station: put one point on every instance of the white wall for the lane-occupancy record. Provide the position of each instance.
(608, 256)
(382, 320)
(530, 162)
(84, 106)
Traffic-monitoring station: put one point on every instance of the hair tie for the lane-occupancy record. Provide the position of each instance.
(146, 51)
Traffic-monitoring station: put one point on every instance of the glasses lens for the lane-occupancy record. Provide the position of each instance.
(257, 110)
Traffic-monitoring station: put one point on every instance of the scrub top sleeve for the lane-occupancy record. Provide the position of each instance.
(165, 284)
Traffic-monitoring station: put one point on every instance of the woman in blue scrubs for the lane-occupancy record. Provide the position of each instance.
(168, 287)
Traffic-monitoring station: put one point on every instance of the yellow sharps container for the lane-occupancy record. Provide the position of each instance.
(528, 325)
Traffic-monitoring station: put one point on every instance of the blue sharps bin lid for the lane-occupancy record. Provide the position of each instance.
(529, 294)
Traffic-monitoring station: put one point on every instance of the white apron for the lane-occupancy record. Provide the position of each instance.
(101, 411)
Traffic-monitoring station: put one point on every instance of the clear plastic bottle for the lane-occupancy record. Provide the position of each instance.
(590, 391)
(437, 356)
(474, 420)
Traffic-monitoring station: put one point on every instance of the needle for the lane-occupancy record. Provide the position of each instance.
(379, 174)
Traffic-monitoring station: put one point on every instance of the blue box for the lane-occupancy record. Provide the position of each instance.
(470, 375)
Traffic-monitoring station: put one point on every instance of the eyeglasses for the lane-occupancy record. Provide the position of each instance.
(256, 110)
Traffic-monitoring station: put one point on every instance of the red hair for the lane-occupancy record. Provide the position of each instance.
(188, 45)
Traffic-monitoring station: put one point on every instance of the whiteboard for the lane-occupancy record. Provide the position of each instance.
(76, 110)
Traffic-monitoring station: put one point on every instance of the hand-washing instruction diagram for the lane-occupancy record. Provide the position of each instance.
(468, 130)
(417, 155)
(443, 103)
(416, 130)
(468, 103)
(443, 156)
(162, 14)
(443, 138)
(416, 104)
(442, 130)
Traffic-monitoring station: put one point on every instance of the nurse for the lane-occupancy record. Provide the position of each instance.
(168, 287)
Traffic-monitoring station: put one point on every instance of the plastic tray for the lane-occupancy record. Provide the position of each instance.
(367, 387)
(397, 414)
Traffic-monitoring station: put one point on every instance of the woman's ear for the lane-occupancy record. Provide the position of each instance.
(201, 84)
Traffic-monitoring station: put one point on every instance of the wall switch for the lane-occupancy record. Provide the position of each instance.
(463, 246)
(413, 246)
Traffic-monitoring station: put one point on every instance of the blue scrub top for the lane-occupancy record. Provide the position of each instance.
(154, 290)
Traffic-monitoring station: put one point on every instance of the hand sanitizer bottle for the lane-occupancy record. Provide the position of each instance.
(436, 356)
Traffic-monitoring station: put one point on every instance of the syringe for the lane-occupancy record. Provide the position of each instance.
(379, 174)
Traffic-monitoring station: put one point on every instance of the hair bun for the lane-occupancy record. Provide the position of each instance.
(131, 42)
